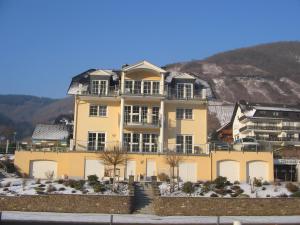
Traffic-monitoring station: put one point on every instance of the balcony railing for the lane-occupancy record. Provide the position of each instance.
(269, 128)
(111, 91)
(144, 124)
(277, 139)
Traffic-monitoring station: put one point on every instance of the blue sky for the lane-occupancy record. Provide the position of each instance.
(43, 44)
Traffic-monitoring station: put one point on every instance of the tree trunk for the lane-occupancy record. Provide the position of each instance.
(114, 177)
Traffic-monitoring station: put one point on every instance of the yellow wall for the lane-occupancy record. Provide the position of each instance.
(142, 75)
(108, 125)
(196, 126)
(72, 163)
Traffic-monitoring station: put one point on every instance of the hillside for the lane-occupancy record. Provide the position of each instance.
(268, 72)
(20, 113)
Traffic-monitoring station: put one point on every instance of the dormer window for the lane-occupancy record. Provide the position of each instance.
(99, 87)
(184, 91)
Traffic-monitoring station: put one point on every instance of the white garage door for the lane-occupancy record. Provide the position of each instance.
(229, 169)
(94, 167)
(257, 169)
(151, 168)
(130, 168)
(188, 171)
(43, 169)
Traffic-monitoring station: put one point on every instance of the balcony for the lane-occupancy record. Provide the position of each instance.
(142, 124)
(112, 91)
(269, 128)
(277, 139)
(176, 94)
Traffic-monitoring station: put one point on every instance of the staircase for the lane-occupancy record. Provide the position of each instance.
(143, 199)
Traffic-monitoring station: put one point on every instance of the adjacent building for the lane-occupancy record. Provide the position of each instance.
(270, 124)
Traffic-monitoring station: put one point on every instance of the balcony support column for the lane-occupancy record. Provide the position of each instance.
(121, 122)
(162, 125)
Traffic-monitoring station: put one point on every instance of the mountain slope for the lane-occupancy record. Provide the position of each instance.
(265, 73)
(20, 113)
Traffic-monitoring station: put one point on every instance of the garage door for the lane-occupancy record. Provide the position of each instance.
(94, 167)
(229, 169)
(188, 172)
(43, 169)
(257, 169)
(130, 168)
(151, 168)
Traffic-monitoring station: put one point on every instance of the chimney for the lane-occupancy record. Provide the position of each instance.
(203, 93)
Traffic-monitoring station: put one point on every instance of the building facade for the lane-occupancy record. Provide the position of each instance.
(270, 124)
(147, 112)
(141, 108)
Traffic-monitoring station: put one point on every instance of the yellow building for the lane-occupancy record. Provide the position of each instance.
(146, 111)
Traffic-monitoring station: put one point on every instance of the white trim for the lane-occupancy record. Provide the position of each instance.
(144, 65)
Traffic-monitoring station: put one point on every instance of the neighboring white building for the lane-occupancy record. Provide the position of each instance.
(269, 124)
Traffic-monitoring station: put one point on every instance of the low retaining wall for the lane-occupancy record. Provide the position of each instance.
(198, 206)
(68, 203)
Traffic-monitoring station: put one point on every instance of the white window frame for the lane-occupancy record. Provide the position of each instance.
(95, 147)
(184, 150)
(184, 90)
(99, 85)
(98, 110)
(142, 88)
(184, 114)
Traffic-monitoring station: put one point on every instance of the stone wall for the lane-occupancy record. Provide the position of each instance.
(198, 206)
(68, 203)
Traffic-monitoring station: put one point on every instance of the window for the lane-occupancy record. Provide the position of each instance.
(93, 110)
(147, 87)
(137, 87)
(144, 118)
(149, 142)
(155, 88)
(155, 115)
(128, 86)
(127, 114)
(99, 87)
(135, 116)
(184, 91)
(96, 141)
(135, 143)
(184, 143)
(98, 110)
(127, 141)
(102, 110)
(184, 114)
(275, 114)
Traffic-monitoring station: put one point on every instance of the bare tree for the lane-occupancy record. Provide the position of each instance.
(114, 157)
(173, 159)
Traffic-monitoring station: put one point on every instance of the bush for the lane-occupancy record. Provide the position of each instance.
(234, 195)
(51, 188)
(268, 196)
(221, 191)
(236, 182)
(163, 177)
(78, 185)
(220, 182)
(188, 187)
(38, 181)
(292, 187)
(235, 187)
(5, 189)
(42, 185)
(99, 188)
(214, 195)
(263, 188)
(93, 179)
(62, 189)
(239, 191)
(295, 194)
(266, 183)
(73, 191)
(60, 181)
(257, 182)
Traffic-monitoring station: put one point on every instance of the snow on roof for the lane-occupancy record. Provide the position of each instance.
(50, 132)
(178, 75)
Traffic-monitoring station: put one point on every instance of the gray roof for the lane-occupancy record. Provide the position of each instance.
(50, 132)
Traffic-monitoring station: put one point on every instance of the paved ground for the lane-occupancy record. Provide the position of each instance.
(85, 218)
